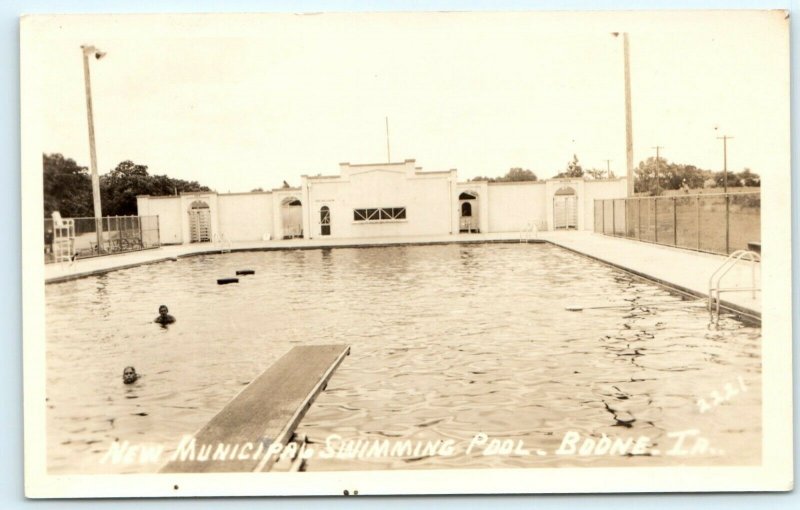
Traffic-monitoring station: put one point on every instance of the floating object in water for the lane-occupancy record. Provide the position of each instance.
(632, 304)
(245, 271)
(224, 281)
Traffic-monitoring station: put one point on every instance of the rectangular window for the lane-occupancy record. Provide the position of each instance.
(382, 214)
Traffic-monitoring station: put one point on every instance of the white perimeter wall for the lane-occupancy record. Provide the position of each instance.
(513, 206)
(245, 216)
(168, 210)
(428, 200)
(431, 202)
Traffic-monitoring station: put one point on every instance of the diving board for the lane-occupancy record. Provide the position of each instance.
(265, 412)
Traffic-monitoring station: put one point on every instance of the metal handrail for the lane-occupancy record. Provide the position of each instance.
(530, 229)
(224, 244)
(714, 291)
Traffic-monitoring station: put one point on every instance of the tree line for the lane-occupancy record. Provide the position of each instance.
(68, 187)
(671, 176)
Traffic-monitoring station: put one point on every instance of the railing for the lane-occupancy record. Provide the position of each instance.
(528, 232)
(118, 234)
(223, 243)
(715, 288)
(715, 223)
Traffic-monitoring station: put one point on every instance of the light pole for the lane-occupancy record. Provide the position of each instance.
(98, 214)
(628, 113)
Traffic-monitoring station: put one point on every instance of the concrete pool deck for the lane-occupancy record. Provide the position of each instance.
(683, 270)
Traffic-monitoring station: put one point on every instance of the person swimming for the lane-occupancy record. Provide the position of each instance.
(164, 317)
(129, 375)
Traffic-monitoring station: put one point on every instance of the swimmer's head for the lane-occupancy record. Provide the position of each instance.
(163, 310)
(129, 375)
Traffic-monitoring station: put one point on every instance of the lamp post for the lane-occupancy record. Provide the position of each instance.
(98, 215)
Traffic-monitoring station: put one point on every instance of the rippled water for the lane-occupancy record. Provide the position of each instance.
(447, 341)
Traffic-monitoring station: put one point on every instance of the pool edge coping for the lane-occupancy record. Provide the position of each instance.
(743, 313)
(218, 251)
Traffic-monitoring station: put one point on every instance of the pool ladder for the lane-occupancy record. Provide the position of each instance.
(530, 231)
(715, 287)
(224, 244)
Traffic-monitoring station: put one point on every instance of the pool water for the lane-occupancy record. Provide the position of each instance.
(447, 341)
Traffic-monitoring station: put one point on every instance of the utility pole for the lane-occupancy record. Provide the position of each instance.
(725, 139)
(388, 151)
(628, 114)
(98, 214)
(608, 168)
(658, 162)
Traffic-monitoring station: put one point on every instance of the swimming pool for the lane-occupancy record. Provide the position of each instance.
(447, 341)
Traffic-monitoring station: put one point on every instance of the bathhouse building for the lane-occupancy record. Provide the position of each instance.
(379, 200)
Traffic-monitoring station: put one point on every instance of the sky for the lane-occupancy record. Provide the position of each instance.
(239, 102)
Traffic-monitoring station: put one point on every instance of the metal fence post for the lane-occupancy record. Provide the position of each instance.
(625, 215)
(727, 224)
(613, 217)
(675, 221)
(639, 220)
(655, 218)
(698, 222)
(603, 205)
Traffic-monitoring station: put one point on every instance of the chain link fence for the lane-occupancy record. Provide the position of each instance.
(78, 237)
(715, 223)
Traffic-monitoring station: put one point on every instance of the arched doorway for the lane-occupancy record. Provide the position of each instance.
(325, 220)
(199, 222)
(292, 217)
(565, 208)
(468, 212)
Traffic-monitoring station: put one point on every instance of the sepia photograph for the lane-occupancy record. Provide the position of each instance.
(406, 253)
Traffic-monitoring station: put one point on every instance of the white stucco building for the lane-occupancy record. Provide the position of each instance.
(380, 200)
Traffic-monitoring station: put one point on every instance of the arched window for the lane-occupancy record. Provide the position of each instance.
(466, 210)
(325, 220)
(566, 190)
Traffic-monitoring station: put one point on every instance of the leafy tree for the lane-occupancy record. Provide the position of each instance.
(596, 173)
(645, 176)
(573, 170)
(673, 176)
(516, 174)
(747, 178)
(67, 187)
(120, 187)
